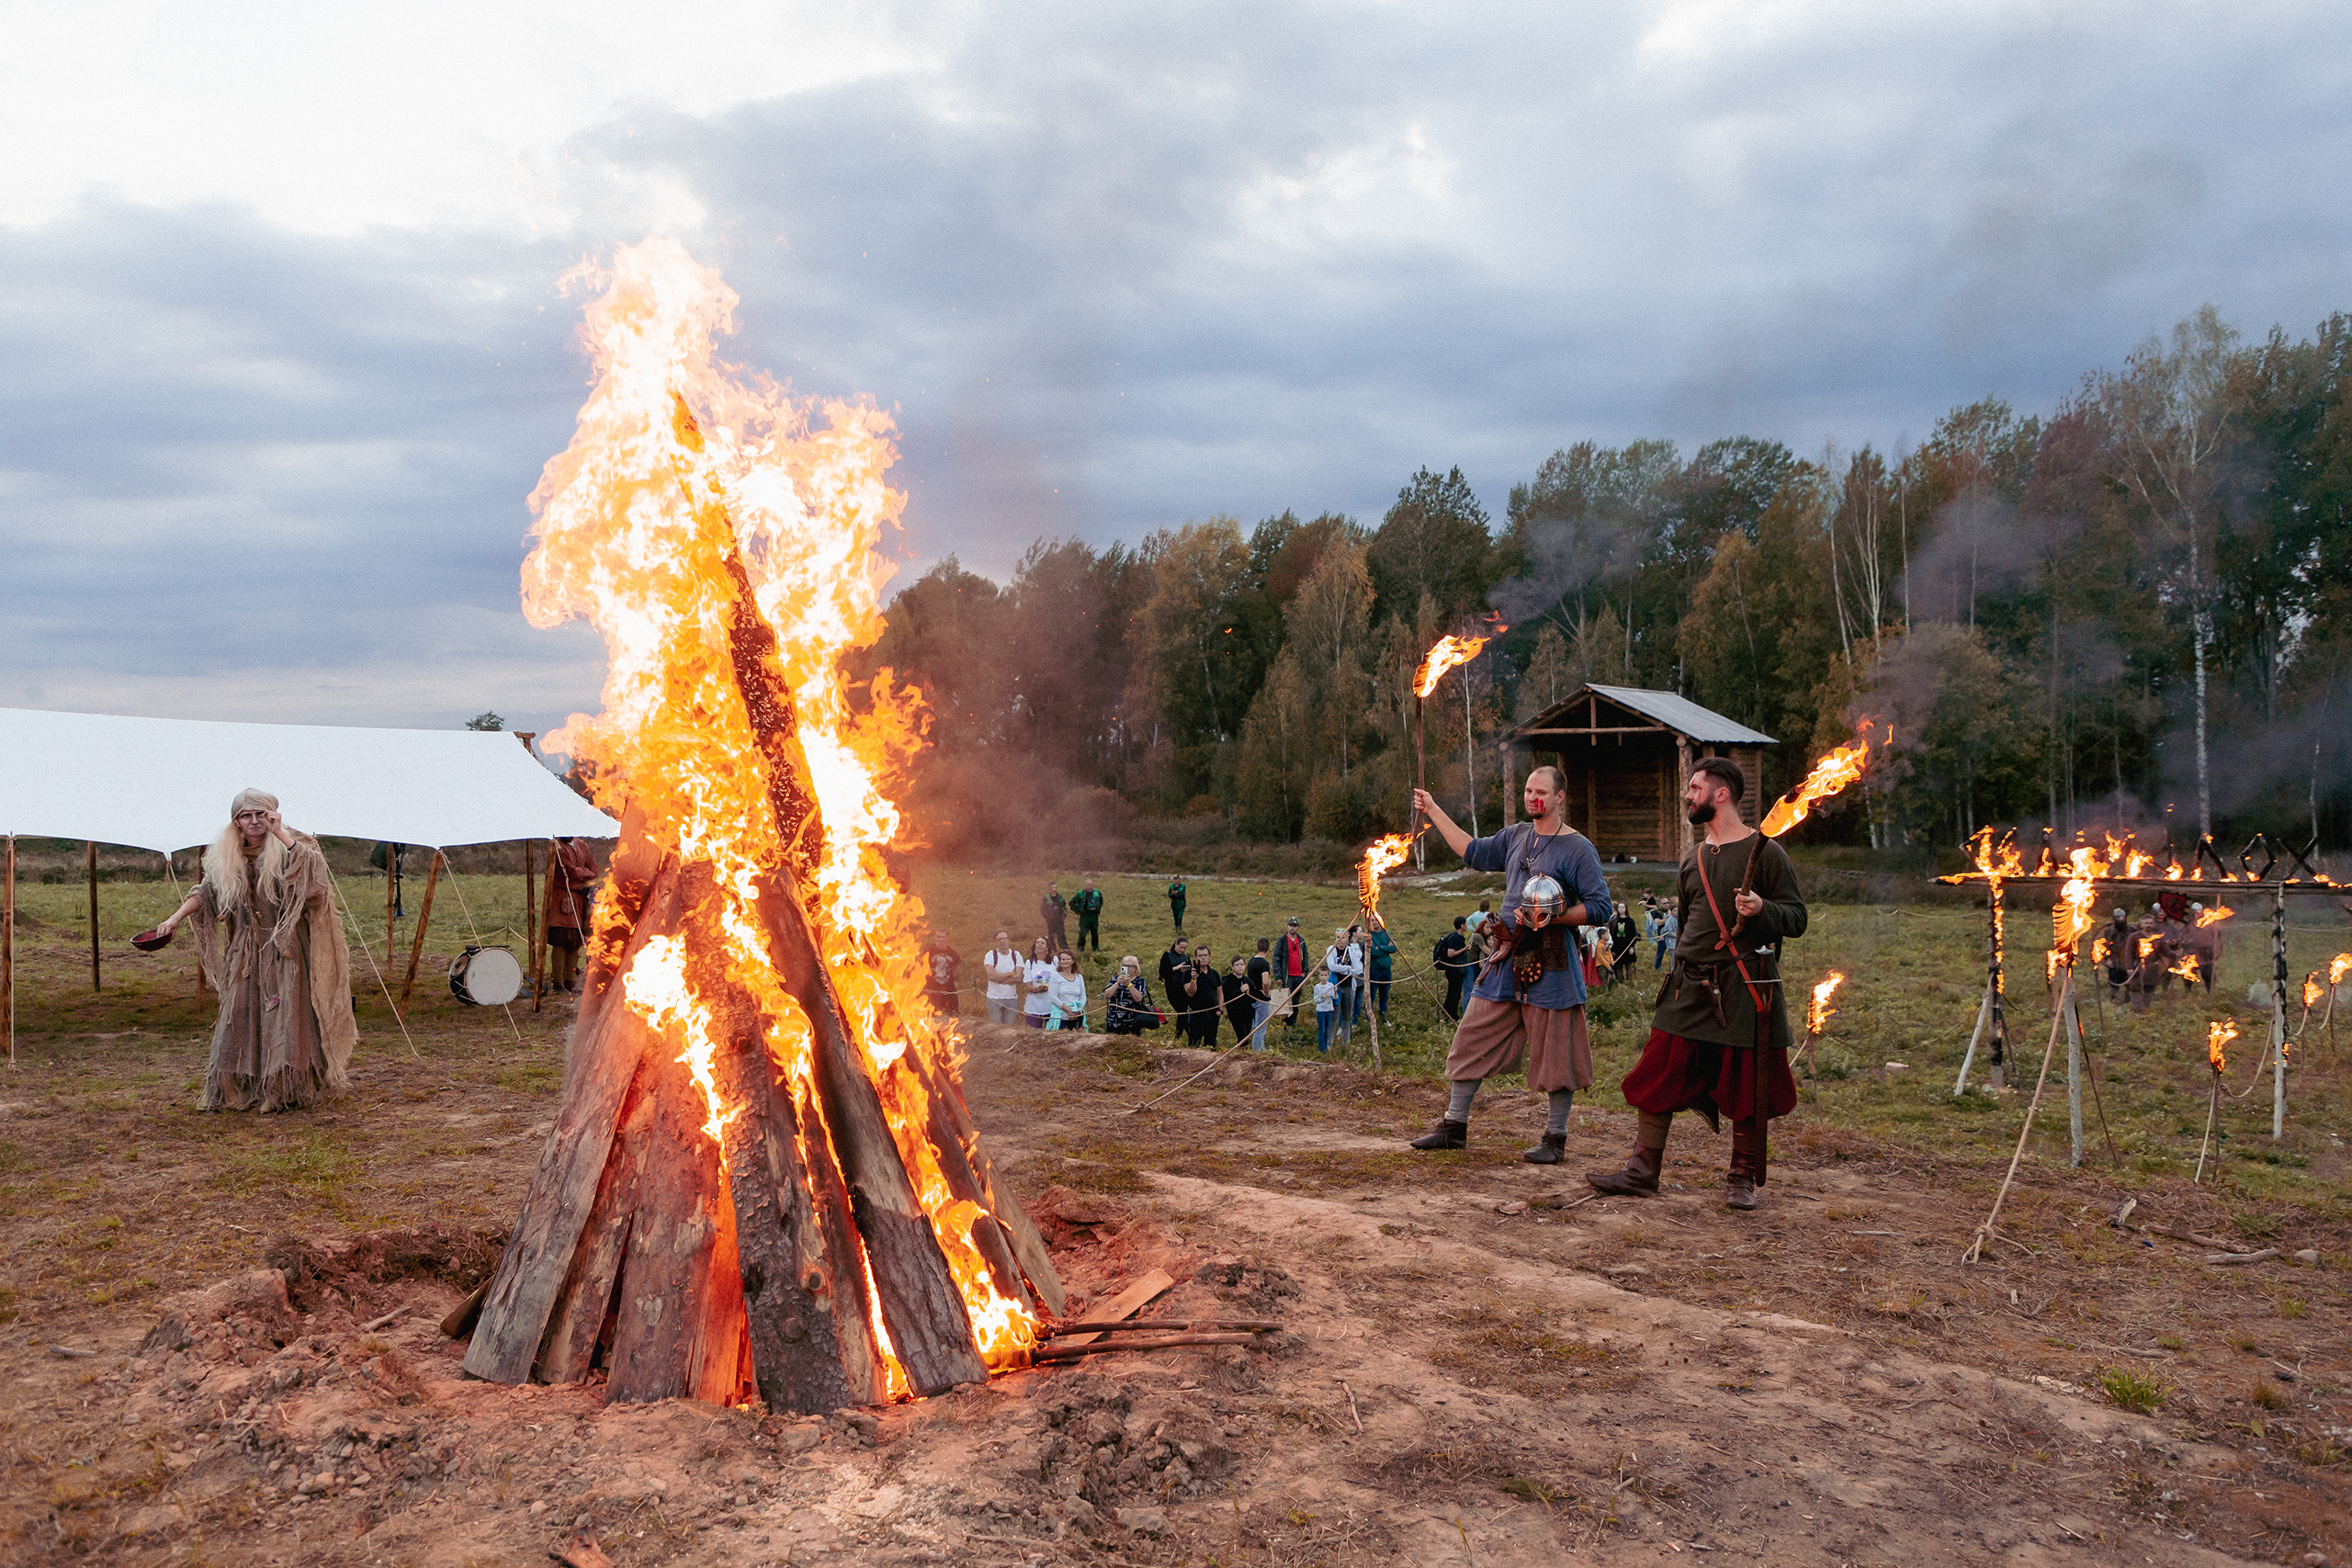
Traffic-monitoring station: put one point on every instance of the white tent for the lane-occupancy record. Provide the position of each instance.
(166, 783)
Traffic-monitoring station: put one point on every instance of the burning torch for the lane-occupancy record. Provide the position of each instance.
(2216, 1036)
(1818, 1013)
(1830, 775)
(1447, 653)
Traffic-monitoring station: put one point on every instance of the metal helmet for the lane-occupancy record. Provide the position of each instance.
(1542, 901)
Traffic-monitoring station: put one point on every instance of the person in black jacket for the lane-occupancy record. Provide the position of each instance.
(1451, 957)
(1200, 992)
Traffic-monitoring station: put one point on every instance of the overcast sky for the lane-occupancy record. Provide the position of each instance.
(284, 351)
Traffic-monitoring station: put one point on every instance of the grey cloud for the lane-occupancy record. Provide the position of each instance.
(1115, 268)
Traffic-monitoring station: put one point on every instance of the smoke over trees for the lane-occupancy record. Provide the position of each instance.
(2066, 617)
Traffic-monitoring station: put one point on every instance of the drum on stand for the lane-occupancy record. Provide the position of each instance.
(485, 977)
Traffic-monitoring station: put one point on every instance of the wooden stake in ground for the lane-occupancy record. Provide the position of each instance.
(2057, 1024)
(2212, 1113)
(2278, 1016)
(424, 918)
(531, 921)
(8, 944)
(92, 849)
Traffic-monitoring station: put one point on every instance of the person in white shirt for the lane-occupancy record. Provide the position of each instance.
(1344, 960)
(1037, 978)
(1002, 968)
(1065, 992)
(1327, 995)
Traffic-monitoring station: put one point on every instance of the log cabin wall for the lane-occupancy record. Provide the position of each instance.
(1624, 767)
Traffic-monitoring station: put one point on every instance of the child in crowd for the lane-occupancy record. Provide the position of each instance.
(1326, 1010)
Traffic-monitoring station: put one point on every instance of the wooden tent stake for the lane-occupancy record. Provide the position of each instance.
(531, 918)
(424, 918)
(92, 850)
(8, 944)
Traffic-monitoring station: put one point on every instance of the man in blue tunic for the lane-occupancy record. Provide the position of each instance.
(1529, 998)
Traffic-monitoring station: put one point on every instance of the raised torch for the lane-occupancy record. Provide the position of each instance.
(1448, 652)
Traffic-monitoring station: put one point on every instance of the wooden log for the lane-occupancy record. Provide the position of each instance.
(1029, 1252)
(990, 1237)
(1019, 1228)
(424, 918)
(930, 1332)
(803, 1278)
(678, 1324)
(580, 1327)
(601, 1064)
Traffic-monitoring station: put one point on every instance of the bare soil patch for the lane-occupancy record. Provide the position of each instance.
(1467, 1375)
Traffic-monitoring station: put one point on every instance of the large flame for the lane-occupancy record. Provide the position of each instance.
(1381, 856)
(2216, 1036)
(1448, 652)
(2215, 916)
(685, 484)
(2070, 917)
(1832, 774)
(1818, 1015)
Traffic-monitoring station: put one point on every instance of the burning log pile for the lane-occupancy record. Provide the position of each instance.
(763, 1176)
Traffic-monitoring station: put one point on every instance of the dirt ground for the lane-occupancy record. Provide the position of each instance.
(1466, 1374)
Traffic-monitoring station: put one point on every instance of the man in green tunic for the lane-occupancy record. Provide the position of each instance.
(1088, 907)
(1719, 1042)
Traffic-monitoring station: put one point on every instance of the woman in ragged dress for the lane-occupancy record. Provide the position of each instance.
(271, 946)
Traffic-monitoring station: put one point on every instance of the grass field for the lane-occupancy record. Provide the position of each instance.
(123, 1063)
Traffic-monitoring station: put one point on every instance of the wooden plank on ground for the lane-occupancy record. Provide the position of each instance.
(1119, 1308)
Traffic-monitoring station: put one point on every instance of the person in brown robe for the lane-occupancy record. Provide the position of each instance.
(271, 946)
(572, 893)
(1711, 1049)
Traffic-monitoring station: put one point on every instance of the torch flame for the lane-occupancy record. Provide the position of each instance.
(2338, 967)
(2215, 916)
(2070, 917)
(1818, 1015)
(2216, 1036)
(1449, 651)
(2186, 968)
(1383, 855)
(1829, 775)
(2312, 990)
(687, 490)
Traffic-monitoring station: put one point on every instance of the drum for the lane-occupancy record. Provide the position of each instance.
(485, 977)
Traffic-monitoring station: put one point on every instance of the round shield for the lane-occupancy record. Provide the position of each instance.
(1542, 901)
(485, 977)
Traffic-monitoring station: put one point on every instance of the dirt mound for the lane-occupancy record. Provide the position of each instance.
(451, 1255)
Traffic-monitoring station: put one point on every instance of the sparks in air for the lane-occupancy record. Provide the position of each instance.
(1841, 768)
(1819, 1012)
(2216, 1036)
(1449, 652)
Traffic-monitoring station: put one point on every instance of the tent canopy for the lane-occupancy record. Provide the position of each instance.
(166, 783)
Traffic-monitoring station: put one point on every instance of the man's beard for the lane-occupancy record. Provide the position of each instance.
(1702, 814)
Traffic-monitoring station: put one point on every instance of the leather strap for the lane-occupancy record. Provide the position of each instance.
(1723, 937)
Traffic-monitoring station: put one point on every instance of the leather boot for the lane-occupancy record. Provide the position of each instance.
(1739, 1186)
(1548, 1151)
(1638, 1176)
(1444, 1135)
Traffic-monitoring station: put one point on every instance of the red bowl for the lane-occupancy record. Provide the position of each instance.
(148, 941)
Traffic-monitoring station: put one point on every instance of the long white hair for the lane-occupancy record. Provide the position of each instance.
(224, 859)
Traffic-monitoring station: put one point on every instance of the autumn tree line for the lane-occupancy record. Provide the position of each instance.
(2136, 603)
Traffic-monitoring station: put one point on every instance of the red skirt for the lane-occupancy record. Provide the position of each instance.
(1675, 1074)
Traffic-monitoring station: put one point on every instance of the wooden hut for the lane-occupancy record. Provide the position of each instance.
(1626, 753)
